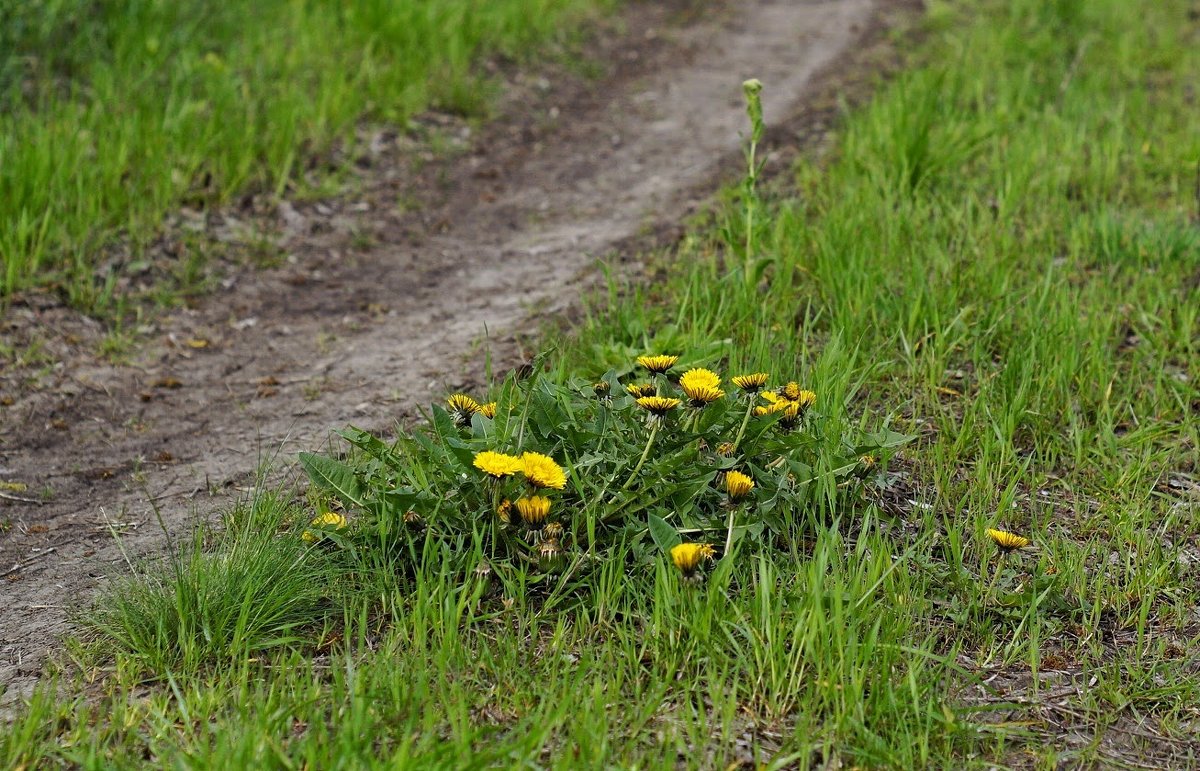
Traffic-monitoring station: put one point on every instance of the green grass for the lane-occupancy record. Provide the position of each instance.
(1001, 256)
(112, 114)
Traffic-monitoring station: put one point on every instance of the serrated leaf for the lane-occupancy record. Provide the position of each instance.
(334, 476)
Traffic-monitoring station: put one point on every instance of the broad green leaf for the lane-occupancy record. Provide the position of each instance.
(334, 476)
(665, 537)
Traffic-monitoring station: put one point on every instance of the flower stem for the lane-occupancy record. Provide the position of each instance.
(645, 454)
(729, 531)
(987, 596)
(745, 422)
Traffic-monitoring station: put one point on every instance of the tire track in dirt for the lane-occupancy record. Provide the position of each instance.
(364, 338)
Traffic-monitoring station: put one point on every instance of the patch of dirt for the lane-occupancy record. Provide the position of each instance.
(387, 298)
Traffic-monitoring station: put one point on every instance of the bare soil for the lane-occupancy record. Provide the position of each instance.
(389, 295)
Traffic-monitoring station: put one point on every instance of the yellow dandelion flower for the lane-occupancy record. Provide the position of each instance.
(1007, 541)
(657, 364)
(488, 410)
(699, 378)
(726, 449)
(791, 391)
(638, 390)
(738, 485)
(658, 405)
(462, 407)
(751, 383)
(601, 387)
(688, 556)
(805, 399)
(323, 523)
(533, 511)
(543, 471)
(701, 396)
(867, 461)
(497, 464)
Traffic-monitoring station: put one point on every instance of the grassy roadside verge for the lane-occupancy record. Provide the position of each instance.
(1000, 255)
(113, 114)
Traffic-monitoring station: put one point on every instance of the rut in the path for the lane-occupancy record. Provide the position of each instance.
(298, 352)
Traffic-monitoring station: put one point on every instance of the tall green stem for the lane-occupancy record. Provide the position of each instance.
(737, 441)
(729, 531)
(645, 454)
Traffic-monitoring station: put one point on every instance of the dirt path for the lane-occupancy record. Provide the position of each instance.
(345, 333)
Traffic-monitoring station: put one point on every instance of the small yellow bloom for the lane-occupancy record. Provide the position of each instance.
(657, 364)
(688, 556)
(497, 464)
(462, 407)
(533, 511)
(805, 399)
(751, 383)
(658, 405)
(726, 449)
(601, 387)
(638, 390)
(543, 471)
(1007, 541)
(699, 378)
(488, 410)
(328, 521)
(738, 485)
(791, 391)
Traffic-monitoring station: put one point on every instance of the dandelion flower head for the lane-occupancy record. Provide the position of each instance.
(543, 471)
(497, 464)
(738, 485)
(658, 405)
(1007, 541)
(751, 383)
(657, 364)
(688, 556)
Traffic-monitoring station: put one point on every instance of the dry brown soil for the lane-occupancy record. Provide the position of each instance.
(390, 294)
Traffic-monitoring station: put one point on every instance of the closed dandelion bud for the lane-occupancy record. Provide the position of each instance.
(414, 520)
(553, 531)
(483, 569)
(533, 511)
(738, 485)
(601, 388)
(504, 511)
(549, 551)
(726, 449)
